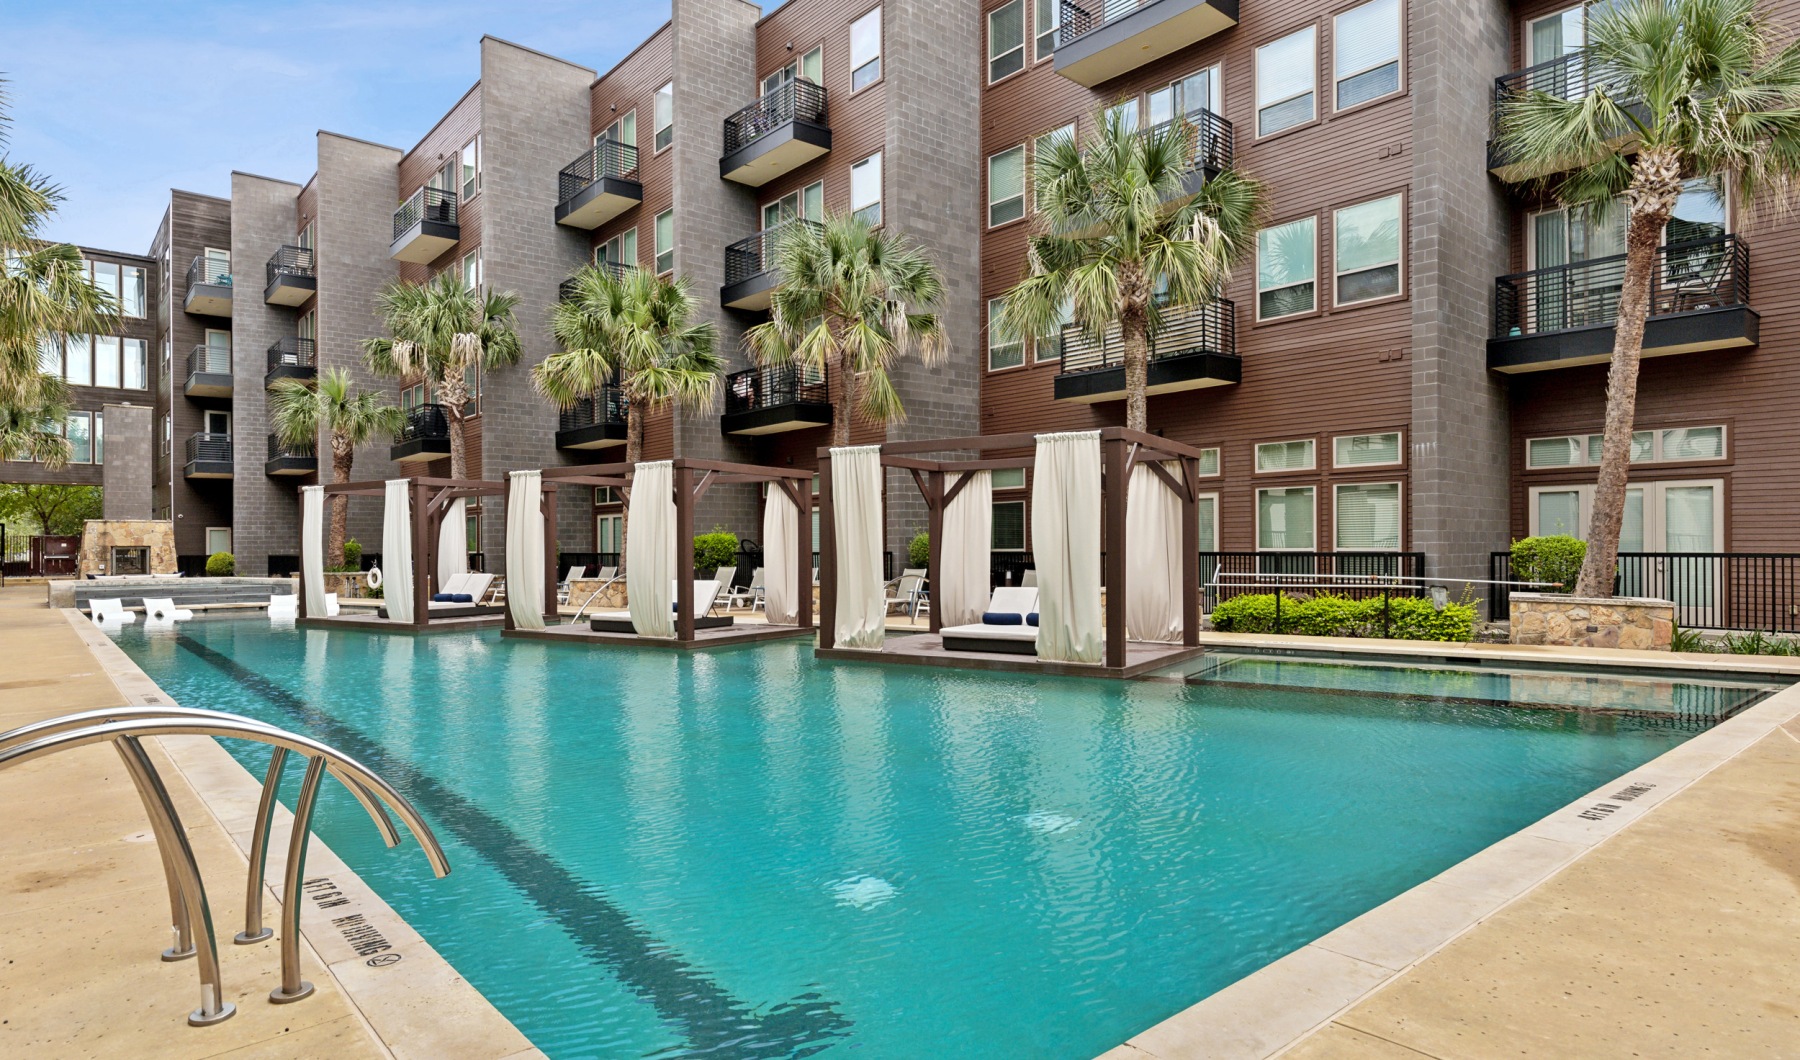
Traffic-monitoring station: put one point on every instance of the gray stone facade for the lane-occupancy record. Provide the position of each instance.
(129, 471)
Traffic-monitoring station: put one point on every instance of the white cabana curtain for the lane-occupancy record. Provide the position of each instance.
(1152, 557)
(1065, 538)
(397, 550)
(650, 550)
(525, 549)
(453, 543)
(856, 515)
(961, 594)
(312, 548)
(781, 575)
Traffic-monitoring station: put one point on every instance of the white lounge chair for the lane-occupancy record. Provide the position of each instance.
(1028, 579)
(706, 593)
(724, 576)
(1017, 637)
(163, 607)
(575, 574)
(904, 591)
(750, 596)
(111, 610)
(285, 604)
(331, 605)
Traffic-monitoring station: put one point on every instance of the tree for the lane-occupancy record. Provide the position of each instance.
(1675, 90)
(55, 508)
(31, 424)
(300, 413)
(440, 332)
(853, 302)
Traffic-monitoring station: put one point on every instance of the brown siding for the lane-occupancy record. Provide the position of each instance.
(858, 125)
(195, 223)
(440, 146)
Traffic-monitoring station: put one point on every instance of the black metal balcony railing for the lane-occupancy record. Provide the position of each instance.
(211, 360)
(607, 158)
(1211, 328)
(1078, 21)
(209, 448)
(797, 100)
(282, 450)
(436, 205)
(294, 352)
(756, 255)
(1571, 76)
(424, 423)
(1210, 137)
(608, 407)
(565, 290)
(210, 271)
(290, 261)
(1689, 275)
(782, 384)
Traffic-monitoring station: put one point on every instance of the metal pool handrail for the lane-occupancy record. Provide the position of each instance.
(603, 587)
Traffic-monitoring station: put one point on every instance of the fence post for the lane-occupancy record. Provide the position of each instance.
(1386, 624)
(1277, 628)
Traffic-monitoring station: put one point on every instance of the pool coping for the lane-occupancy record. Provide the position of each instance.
(1286, 1001)
(417, 1005)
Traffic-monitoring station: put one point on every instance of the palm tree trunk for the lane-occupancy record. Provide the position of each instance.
(343, 458)
(636, 409)
(1135, 337)
(455, 398)
(1649, 213)
(846, 402)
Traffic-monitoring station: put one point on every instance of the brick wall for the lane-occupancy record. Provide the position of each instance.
(130, 462)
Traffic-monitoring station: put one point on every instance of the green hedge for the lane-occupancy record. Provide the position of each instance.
(716, 549)
(220, 565)
(918, 550)
(1325, 615)
(1553, 558)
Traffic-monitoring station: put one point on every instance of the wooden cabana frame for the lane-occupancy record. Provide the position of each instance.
(1121, 450)
(692, 478)
(430, 501)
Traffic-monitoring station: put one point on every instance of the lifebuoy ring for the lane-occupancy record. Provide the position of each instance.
(373, 577)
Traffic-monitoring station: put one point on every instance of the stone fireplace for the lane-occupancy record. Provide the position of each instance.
(127, 546)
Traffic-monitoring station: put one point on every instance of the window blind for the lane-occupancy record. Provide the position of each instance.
(1368, 517)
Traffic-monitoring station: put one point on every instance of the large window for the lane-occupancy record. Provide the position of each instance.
(99, 438)
(1209, 461)
(1209, 522)
(865, 50)
(1366, 249)
(1366, 517)
(106, 277)
(1009, 478)
(80, 431)
(1366, 450)
(136, 365)
(1285, 456)
(623, 130)
(1285, 519)
(1286, 71)
(1006, 186)
(1006, 40)
(106, 361)
(1366, 60)
(865, 190)
(1287, 262)
(620, 250)
(665, 241)
(471, 168)
(1049, 347)
(471, 269)
(1195, 92)
(78, 361)
(1660, 446)
(1005, 349)
(807, 202)
(1009, 526)
(665, 116)
(809, 67)
(134, 297)
(1049, 18)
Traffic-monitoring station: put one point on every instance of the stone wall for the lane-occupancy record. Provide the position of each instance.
(100, 536)
(130, 466)
(1590, 622)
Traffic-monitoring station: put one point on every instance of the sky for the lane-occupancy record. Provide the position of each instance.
(119, 102)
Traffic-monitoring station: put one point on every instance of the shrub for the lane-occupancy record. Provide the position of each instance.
(1326, 615)
(918, 551)
(716, 549)
(1688, 640)
(352, 554)
(1553, 558)
(1760, 643)
(220, 565)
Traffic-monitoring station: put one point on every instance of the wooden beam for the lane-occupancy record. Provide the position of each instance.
(1113, 496)
(827, 557)
(422, 546)
(704, 484)
(961, 480)
(547, 509)
(684, 553)
(1190, 551)
(801, 495)
(1180, 489)
(934, 520)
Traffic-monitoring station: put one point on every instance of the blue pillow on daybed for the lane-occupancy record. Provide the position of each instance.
(1031, 619)
(1001, 618)
(452, 598)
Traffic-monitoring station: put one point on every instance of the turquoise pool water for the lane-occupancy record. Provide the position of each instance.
(747, 854)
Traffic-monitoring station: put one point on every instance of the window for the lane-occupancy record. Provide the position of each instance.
(1125, 111)
(604, 495)
(1285, 456)
(99, 439)
(1555, 36)
(1285, 74)
(168, 434)
(609, 531)
(865, 50)
(1286, 265)
(307, 327)
(1284, 519)
(1195, 92)
(1366, 450)
(1050, 347)
(1049, 18)
(411, 397)
(78, 364)
(620, 250)
(305, 238)
(471, 168)
(807, 202)
(1009, 526)
(106, 277)
(106, 361)
(81, 439)
(1209, 461)
(1006, 40)
(137, 365)
(1005, 349)
(471, 269)
(1008, 478)
(1659, 446)
(134, 298)
(1209, 522)
(1366, 249)
(218, 539)
(215, 421)
(665, 241)
(1366, 517)
(809, 67)
(865, 190)
(1366, 52)
(665, 116)
(623, 130)
(1006, 186)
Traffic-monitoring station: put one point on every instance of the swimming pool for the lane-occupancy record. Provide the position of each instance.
(746, 853)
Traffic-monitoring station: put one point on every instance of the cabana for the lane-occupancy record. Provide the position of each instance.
(1116, 537)
(660, 526)
(422, 531)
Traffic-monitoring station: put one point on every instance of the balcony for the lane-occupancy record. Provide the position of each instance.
(208, 456)
(593, 423)
(1211, 140)
(1196, 348)
(426, 435)
(208, 372)
(208, 286)
(777, 134)
(565, 291)
(292, 277)
(771, 400)
(1567, 77)
(598, 186)
(1103, 39)
(750, 276)
(292, 358)
(285, 459)
(425, 226)
(1563, 316)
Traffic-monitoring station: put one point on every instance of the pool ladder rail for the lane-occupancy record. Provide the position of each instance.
(125, 727)
(605, 585)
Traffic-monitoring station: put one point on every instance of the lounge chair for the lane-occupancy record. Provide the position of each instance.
(1008, 626)
(1028, 579)
(750, 595)
(576, 573)
(284, 604)
(331, 605)
(467, 591)
(706, 593)
(163, 607)
(110, 610)
(724, 576)
(904, 591)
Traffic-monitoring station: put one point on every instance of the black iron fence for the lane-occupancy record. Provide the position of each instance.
(797, 100)
(756, 254)
(291, 261)
(281, 450)
(425, 423)
(292, 351)
(1208, 135)
(1689, 275)
(209, 270)
(437, 205)
(1710, 590)
(1079, 20)
(210, 448)
(1211, 328)
(212, 360)
(782, 384)
(607, 407)
(607, 158)
(1353, 574)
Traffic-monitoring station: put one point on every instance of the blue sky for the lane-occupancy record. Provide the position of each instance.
(118, 102)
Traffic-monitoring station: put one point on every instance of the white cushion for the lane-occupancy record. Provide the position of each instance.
(1013, 600)
(977, 631)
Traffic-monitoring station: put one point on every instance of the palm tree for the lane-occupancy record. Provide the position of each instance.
(441, 331)
(300, 413)
(31, 430)
(1676, 90)
(1119, 238)
(853, 302)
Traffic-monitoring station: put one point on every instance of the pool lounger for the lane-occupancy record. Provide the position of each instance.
(1003, 638)
(472, 585)
(705, 593)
